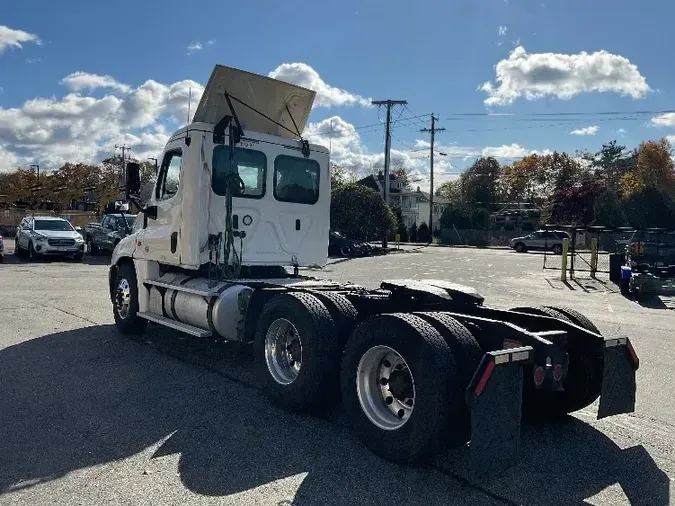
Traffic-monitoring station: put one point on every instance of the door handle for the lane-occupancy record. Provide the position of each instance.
(174, 242)
(297, 224)
(235, 221)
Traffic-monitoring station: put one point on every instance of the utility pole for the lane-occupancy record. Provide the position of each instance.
(433, 131)
(124, 169)
(387, 147)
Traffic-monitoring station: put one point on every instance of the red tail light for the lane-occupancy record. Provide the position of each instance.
(539, 375)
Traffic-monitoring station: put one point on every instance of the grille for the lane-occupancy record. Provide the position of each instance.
(61, 242)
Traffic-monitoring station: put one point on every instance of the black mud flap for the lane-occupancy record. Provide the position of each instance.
(495, 397)
(618, 378)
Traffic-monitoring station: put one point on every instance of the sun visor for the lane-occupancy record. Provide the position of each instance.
(269, 96)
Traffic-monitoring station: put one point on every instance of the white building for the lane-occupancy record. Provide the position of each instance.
(414, 204)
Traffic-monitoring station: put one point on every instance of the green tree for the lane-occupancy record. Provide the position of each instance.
(423, 233)
(338, 175)
(610, 163)
(360, 213)
(607, 210)
(479, 183)
(650, 207)
(456, 216)
(412, 233)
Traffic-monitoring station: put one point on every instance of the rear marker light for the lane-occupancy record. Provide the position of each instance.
(557, 372)
(484, 379)
(539, 375)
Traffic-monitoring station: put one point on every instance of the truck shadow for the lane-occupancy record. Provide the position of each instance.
(86, 397)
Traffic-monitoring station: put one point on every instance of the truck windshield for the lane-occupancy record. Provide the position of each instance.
(58, 225)
(251, 166)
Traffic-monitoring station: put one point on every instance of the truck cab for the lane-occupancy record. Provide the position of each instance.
(280, 211)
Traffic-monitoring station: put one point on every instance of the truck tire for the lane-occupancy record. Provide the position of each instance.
(406, 418)
(297, 352)
(584, 374)
(125, 301)
(342, 311)
(467, 353)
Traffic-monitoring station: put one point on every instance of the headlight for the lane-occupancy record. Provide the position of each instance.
(40, 238)
(79, 238)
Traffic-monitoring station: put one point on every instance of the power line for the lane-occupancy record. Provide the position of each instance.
(557, 114)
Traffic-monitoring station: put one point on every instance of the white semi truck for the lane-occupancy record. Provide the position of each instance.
(242, 201)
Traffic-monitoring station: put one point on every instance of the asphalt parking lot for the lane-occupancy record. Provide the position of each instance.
(89, 417)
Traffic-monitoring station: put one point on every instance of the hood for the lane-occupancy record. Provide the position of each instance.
(59, 234)
(267, 95)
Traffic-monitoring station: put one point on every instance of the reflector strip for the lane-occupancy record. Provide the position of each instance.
(615, 342)
(501, 359)
(521, 355)
(633, 356)
(484, 379)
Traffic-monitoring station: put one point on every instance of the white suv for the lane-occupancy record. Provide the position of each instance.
(48, 235)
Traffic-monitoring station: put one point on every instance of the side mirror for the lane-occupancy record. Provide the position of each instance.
(133, 182)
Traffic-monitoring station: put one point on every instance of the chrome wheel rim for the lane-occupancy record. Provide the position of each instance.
(123, 298)
(385, 387)
(283, 351)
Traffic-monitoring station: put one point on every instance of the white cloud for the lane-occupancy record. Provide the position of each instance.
(589, 130)
(666, 119)
(14, 38)
(79, 128)
(501, 30)
(194, 47)
(303, 75)
(671, 139)
(8, 160)
(535, 76)
(79, 81)
(210, 42)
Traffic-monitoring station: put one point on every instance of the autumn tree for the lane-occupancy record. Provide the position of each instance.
(654, 165)
(523, 180)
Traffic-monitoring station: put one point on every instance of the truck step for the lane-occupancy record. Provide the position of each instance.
(183, 327)
(180, 288)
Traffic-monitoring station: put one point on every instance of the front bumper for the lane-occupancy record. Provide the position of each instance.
(44, 248)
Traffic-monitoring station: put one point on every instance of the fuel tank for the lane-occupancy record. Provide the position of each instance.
(217, 306)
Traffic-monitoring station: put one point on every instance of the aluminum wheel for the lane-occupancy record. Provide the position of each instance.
(123, 298)
(385, 387)
(283, 351)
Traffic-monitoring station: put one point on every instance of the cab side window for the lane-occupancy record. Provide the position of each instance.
(169, 175)
(296, 180)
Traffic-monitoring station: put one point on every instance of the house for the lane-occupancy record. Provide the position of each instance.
(414, 204)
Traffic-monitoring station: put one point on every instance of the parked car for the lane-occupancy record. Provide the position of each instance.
(48, 236)
(105, 235)
(2, 249)
(340, 245)
(549, 240)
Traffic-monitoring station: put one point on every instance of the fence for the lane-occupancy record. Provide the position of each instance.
(590, 249)
(10, 218)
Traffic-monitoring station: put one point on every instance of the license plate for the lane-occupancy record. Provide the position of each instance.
(62, 249)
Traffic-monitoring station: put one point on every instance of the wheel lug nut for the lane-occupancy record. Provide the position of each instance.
(386, 363)
(400, 413)
(409, 402)
(389, 400)
(384, 381)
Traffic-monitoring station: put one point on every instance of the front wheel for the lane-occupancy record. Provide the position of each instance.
(125, 301)
(400, 388)
(520, 247)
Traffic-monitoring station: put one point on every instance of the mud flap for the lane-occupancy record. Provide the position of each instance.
(618, 378)
(495, 397)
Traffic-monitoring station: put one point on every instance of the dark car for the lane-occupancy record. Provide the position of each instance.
(105, 235)
(340, 245)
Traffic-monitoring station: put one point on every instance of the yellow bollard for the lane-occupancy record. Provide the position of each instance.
(594, 256)
(563, 260)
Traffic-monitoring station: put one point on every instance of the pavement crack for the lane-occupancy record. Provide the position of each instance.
(72, 314)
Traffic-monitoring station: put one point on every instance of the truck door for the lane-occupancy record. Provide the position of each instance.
(160, 239)
(102, 234)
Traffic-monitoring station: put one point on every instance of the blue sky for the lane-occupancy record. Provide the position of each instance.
(130, 68)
